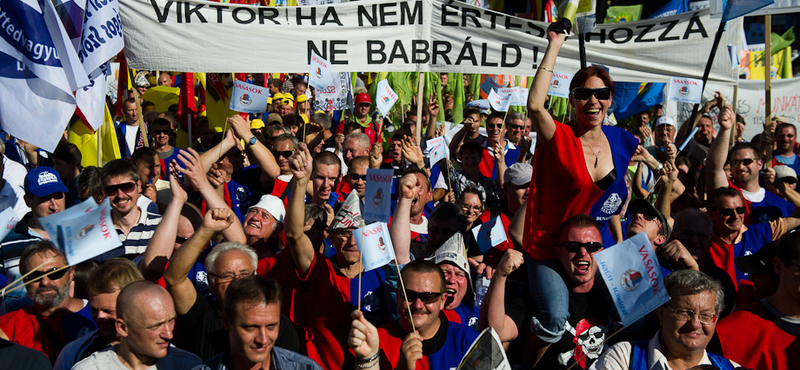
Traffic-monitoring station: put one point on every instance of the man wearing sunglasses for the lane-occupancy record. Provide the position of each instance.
(55, 318)
(746, 162)
(161, 129)
(495, 133)
(687, 324)
(732, 238)
(356, 178)
(283, 146)
(431, 342)
(588, 303)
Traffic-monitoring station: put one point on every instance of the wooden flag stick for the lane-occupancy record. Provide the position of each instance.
(359, 289)
(405, 296)
(19, 281)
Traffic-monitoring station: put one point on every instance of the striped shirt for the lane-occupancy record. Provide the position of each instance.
(136, 241)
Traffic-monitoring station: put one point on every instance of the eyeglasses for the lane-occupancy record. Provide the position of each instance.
(515, 127)
(467, 208)
(728, 212)
(648, 214)
(161, 132)
(355, 177)
(686, 315)
(496, 125)
(285, 154)
(53, 276)
(789, 180)
(746, 162)
(229, 276)
(582, 93)
(575, 247)
(126, 187)
(425, 297)
(344, 234)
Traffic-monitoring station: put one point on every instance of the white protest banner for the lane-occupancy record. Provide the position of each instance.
(686, 90)
(83, 231)
(437, 149)
(407, 36)
(486, 352)
(375, 245)
(337, 96)
(633, 277)
(8, 219)
(385, 97)
(378, 195)
(489, 234)
(499, 102)
(519, 95)
(319, 74)
(559, 84)
(248, 98)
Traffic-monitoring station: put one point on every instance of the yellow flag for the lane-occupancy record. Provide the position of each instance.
(82, 136)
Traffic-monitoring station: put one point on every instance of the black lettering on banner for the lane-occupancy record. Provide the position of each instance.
(398, 51)
(484, 55)
(265, 14)
(600, 36)
(419, 47)
(219, 11)
(331, 17)
(300, 16)
(364, 13)
(511, 25)
(466, 53)
(472, 14)
(407, 16)
(162, 17)
(250, 13)
(442, 53)
(336, 51)
(535, 57)
(178, 11)
(376, 47)
(189, 11)
(504, 55)
(665, 32)
(645, 29)
(385, 13)
(492, 20)
(628, 35)
(690, 28)
(534, 26)
(445, 22)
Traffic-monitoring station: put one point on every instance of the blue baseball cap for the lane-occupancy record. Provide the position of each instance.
(43, 181)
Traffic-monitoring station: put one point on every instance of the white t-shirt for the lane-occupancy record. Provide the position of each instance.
(130, 137)
(102, 360)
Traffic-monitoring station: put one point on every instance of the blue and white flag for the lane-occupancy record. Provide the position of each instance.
(519, 95)
(385, 97)
(737, 8)
(437, 149)
(671, 8)
(39, 70)
(375, 245)
(337, 95)
(248, 98)
(479, 104)
(685, 90)
(319, 72)
(559, 84)
(633, 277)
(489, 234)
(499, 102)
(378, 195)
(8, 220)
(83, 231)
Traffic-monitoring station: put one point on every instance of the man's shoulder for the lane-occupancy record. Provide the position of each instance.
(177, 358)
(100, 360)
(15, 356)
(289, 359)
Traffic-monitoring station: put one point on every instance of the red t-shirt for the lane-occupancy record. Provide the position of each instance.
(562, 188)
(758, 340)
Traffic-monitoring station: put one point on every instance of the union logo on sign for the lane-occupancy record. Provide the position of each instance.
(631, 279)
(684, 90)
(556, 84)
(245, 100)
(82, 234)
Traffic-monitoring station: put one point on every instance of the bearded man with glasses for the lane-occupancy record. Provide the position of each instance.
(732, 238)
(55, 318)
(687, 324)
(134, 225)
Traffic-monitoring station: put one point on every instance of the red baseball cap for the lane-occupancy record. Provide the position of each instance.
(363, 98)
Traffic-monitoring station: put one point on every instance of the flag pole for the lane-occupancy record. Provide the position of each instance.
(403, 287)
(99, 145)
(359, 288)
(768, 68)
(420, 87)
(709, 62)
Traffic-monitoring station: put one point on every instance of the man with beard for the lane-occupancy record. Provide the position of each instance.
(103, 289)
(134, 225)
(589, 315)
(745, 160)
(55, 317)
(422, 338)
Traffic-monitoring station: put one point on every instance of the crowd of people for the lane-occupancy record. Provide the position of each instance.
(238, 249)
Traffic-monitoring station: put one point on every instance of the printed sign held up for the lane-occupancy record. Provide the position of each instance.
(377, 195)
(248, 98)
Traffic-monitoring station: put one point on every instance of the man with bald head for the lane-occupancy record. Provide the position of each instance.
(145, 321)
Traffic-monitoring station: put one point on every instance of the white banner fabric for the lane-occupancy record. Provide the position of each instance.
(406, 35)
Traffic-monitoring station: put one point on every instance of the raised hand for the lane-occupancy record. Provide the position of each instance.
(363, 338)
(178, 193)
(300, 163)
(410, 351)
(218, 219)
(511, 261)
(409, 186)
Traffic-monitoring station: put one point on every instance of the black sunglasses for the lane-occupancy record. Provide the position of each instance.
(355, 177)
(746, 162)
(575, 247)
(285, 154)
(728, 212)
(582, 93)
(789, 180)
(53, 276)
(648, 214)
(425, 297)
(159, 132)
(126, 187)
